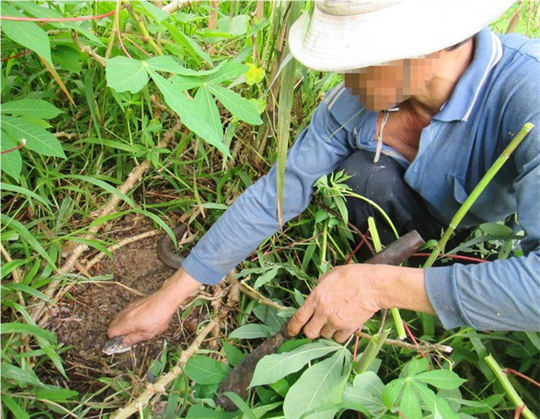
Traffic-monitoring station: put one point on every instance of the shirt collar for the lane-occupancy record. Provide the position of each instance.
(487, 53)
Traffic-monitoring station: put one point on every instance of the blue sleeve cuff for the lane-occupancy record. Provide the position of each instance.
(200, 272)
(444, 297)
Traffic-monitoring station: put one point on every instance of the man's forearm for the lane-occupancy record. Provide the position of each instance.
(402, 288)
(177, 288)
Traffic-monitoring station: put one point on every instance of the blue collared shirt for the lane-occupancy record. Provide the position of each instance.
(496, 95)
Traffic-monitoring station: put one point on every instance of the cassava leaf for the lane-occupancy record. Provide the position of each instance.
(251, 331)
(443, 379)
(125, 74)
(241, 108)
(204, 370)
(274, 367)
(31, 107)
(320, 385)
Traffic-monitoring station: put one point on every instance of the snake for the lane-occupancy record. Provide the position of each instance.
(168, 256)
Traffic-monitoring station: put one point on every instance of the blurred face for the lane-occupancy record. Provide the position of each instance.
(385, 86)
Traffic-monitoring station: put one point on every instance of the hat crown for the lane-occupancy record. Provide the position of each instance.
(352, 7)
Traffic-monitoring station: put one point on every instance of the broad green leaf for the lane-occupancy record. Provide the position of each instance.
(16, 409)
(251, 331)
(7, 268)
(409, 405)
(233, 26)
(67, 58)
(233, 354)
(266, 277)
(241, 108)
(207, 107)
(22, 377)
(37, 139)
(391, 392)
(320, 385)
(27, 329)
(204, 370)
(189, 114)
(29, 237)
(229, 70)
(433, 402)
(167, 64)
(415, 366)
(10, 163)
(158, 14)
(28, 34)
(367, 391)
(187, 82)
(109, 188)
(126, 74)
(274, 367)
(31, 107)
(443, 379)
(57, 394)
(198, 411)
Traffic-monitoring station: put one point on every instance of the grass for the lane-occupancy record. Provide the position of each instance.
(50, 204)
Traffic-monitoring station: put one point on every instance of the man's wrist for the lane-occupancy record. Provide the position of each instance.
(403, 288)
(178, 287)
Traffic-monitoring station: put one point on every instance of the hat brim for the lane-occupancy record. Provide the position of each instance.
(408, 29)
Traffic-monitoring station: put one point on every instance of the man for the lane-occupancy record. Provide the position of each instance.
(463, 94)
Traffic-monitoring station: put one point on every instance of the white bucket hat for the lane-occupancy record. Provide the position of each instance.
(351, 34)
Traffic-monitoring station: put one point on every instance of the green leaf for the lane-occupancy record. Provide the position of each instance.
(109, 188)
(31, 107)
(23, 377)
(198, 411)
(228, 70)
(67, 58)
(242, 405)
(234, 26)
(433, 402)
(189, 44)
(158, 14)
(320, 385)
(28, 34)
(266, 277)
(443, 379)
(55, 394)
(241, 108)
(367, 391)
(37, 139)
(274, 367)
(207, 106)
(251, 331)
(126, 74)
(391, 392)
(409, 405)
(14, 407)
(26, 288)
(29, 237)
(254, 75)
(10, 163)
(415, 366)
(233, 354)
(27, 329)
(188, 112)
(168, 64)
(204, 370)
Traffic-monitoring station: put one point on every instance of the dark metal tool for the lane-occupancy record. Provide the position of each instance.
(239, 378)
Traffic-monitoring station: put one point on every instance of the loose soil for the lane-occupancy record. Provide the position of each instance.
(80, 320)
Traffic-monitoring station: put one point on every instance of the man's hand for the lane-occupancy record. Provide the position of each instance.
(145, 318)
(348, 296)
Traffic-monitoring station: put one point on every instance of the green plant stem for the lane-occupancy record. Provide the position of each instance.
(371, 351)
(469, 202)
(508, 387)
(142, 27)
(396, 316)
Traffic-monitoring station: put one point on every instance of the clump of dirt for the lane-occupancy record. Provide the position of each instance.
(81, 321)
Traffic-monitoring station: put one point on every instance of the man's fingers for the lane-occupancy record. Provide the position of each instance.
(342, 335)
(300, 318)
(313, 329)
(328, 331)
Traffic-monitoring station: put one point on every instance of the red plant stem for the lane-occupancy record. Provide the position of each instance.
(56, 19)
(519, 409)
(118, 33)
(520, 375)
(411, 336)
(458, 257)
(356, 348)
(256, 258)
(16, 55)
(21, 145)
(356, 249)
